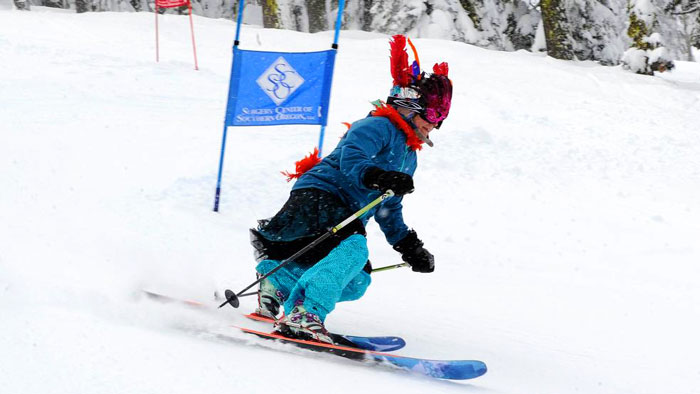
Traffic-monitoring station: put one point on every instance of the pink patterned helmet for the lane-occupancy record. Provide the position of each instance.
(428, 95)
(435, 97)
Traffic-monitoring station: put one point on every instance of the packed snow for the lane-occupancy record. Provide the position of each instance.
(561, 202)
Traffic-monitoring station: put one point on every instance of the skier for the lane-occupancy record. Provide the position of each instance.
(378, 153)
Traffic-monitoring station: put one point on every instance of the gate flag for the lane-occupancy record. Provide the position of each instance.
(279, 88)
(171, 3)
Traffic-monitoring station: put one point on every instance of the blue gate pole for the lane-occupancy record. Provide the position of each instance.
(320, 141)
(338, 23)
(221, 168)
(239, 19)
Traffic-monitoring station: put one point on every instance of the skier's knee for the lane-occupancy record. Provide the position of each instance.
(356, 245)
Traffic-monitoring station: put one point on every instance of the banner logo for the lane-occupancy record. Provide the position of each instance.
(279, 81)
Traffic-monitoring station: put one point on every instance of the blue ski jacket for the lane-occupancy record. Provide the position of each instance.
(371, 142)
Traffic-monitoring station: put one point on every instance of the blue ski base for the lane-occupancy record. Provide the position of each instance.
(445, 369)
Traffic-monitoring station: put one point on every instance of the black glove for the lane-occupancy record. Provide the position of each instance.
(378, 179)
(413, 252)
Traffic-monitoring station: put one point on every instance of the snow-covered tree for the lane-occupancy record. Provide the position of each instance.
(496, 24)
(318, 15)
(686, 15)
(23, 5)
(293, 15)
(139, 5)
(55, 3)
(82, 6)
(503, 24)
(596, 29)
(647, 53)
(212, 8)
(642, 34)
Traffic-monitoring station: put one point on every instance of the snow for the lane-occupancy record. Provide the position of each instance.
(561, 200)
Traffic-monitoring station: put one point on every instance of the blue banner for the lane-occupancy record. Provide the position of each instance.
(277, 88)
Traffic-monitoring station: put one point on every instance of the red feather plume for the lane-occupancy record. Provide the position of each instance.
(400, 70)
(441, 69)
(303, 165)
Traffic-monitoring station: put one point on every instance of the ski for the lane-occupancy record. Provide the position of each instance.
(441, 369)
(377, 344)
(381, 344)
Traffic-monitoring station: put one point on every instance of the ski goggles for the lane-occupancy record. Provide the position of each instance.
(432, 116)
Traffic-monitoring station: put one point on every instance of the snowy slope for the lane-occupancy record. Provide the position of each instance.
(561, 201)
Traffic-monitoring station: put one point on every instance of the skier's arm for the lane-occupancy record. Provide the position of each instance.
(389, 216)
(360, 145)
(405, 241)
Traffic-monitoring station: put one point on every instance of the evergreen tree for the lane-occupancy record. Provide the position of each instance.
(55, 3)
(596, 29)
(81, 6)
(293, 15)
(556, 29)
(687, 13)
(24, 5)
(396, 16)
(367, 14)
(470, 8)
(270, 14)
(318, 15)
(138, 5)
(497, 24)
(210, 8)
(503, 24)
(647, 54)
(643, 34)
(695, 37)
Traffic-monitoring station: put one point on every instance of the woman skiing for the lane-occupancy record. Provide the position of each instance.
(378, 153)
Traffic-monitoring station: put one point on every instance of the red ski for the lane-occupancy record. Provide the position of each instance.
(442, 369)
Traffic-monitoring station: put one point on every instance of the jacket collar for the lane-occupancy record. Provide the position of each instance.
(397, 120)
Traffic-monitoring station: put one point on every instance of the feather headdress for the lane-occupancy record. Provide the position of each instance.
(427, 94)
(400, 71)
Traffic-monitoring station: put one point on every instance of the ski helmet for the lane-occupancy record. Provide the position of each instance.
(428, 95)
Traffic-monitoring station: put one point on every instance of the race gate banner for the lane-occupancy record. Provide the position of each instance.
(171, 3)
(277, 88)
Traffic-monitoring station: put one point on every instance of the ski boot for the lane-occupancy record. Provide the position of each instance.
(302, 324)
(269, 300)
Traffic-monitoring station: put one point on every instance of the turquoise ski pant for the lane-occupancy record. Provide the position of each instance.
(337, 277)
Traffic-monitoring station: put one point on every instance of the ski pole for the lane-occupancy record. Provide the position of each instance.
(232, 298)
(390, 267)
(380, 269)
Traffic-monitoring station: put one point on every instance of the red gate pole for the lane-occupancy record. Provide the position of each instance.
(194, 48)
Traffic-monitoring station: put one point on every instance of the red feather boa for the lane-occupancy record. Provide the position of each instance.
(386, 111)
(412, 139)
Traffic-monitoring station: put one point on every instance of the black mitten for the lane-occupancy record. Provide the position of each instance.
(378, 179)
(413, 252)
